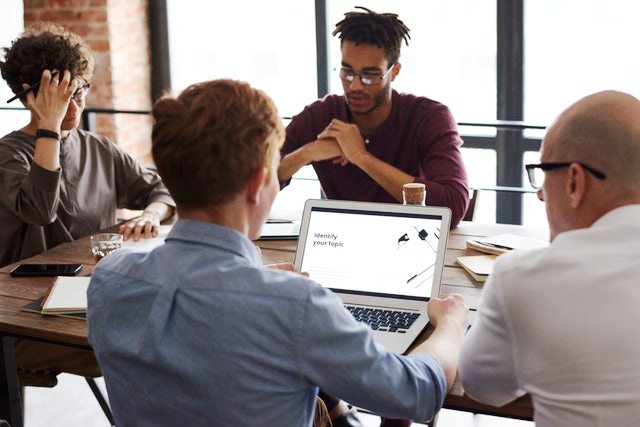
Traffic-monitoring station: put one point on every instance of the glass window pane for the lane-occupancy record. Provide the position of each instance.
(451, 56)
(11, 24)
(481, 171)
(289, 202)
(533, 211)
(270, 45)
(577, 47)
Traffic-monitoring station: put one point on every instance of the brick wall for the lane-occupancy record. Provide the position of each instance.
(118, 33)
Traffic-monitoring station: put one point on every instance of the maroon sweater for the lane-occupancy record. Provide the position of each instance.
(419, 137)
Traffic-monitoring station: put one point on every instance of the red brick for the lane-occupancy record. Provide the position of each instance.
(30, 16)
(93, 15)
(99, 45)
(61, 15)
(68, 3)
(80, 29)
(28, 4)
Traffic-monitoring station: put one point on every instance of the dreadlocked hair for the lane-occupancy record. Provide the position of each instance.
(384, 30)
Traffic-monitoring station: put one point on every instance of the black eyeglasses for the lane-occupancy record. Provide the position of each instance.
(535, 172)
(366, 78)
(81, 93)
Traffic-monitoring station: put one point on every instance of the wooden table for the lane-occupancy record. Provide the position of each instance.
(16, 292)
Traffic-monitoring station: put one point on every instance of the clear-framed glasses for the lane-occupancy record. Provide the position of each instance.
(81, 93)
(366, 78)
(536, 172)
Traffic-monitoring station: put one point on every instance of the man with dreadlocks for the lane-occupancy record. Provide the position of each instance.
(367, 143)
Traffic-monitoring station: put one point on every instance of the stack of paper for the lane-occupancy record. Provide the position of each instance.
(479, 267)
(501, 243)
(147, 245)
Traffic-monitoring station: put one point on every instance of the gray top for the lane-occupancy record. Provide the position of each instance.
(198, 333)
(40, 209)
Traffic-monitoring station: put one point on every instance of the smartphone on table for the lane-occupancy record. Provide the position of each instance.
(31, 270)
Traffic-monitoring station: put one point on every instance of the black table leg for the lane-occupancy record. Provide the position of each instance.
(10, 401)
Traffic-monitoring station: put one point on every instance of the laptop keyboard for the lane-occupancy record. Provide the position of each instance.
(384, 320)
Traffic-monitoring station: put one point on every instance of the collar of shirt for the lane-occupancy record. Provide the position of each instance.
(617, 226)
(623, 214)
(209, 234)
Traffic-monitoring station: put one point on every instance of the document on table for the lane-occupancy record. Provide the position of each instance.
(504, 242)
(147, 245)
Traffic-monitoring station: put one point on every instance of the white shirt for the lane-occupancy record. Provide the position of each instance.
(562, 324)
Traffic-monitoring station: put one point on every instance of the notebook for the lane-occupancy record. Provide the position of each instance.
(275, 229)
(378, 258)
(66, 295)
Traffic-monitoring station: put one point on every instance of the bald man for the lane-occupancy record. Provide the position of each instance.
(561, 323)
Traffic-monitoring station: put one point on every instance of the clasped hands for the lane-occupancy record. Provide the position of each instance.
(341, 142)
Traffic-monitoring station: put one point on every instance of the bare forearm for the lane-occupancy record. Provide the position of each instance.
(161, 210)
(388, 177)
(292, 162)
(444, 345)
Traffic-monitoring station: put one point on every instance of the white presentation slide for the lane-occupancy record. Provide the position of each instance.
(372, 253)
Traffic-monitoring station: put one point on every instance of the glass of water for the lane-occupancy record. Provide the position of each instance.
(102, 244)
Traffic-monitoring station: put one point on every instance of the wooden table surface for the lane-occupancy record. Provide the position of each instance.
(17, 292)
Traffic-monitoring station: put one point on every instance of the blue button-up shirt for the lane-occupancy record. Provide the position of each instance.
(198, 332)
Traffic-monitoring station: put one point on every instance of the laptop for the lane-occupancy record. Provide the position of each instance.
(383, 260)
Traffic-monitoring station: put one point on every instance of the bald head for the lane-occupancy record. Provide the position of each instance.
(603, 131)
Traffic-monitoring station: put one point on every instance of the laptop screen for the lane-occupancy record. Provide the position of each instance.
(375, 249)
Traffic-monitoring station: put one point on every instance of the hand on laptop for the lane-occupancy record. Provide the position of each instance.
(450, 308)
(287, 266)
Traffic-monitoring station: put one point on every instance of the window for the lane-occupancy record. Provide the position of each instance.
(11, 23)
(271, 45)
(576, 47)
(451, 56)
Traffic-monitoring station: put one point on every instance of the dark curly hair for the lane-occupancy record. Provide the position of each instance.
(384, 30)
(45, 46)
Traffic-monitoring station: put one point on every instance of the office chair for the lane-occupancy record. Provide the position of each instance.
(470, 215)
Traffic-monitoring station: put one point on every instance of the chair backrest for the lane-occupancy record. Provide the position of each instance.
(470, 215)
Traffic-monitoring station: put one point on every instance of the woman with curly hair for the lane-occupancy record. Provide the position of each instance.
(60, 183)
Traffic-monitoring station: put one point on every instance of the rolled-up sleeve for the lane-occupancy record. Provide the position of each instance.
(339, 354)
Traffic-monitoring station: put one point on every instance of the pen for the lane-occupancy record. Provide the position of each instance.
(29, 89)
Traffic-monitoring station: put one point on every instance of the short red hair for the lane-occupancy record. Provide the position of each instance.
(209, 140)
